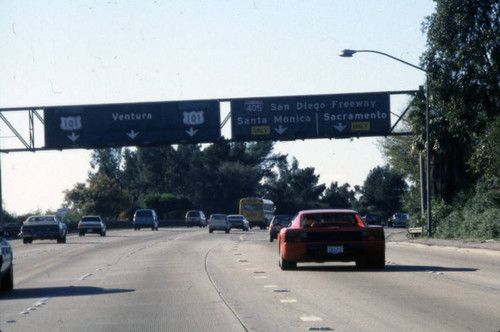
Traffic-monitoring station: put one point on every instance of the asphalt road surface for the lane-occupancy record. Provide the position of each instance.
(190, 280)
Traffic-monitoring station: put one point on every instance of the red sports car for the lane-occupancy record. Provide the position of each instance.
(331, 235)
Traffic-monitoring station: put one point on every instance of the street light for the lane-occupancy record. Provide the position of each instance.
(349, 53)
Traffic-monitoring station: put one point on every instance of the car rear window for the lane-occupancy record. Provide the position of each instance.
(41, 219)
(282, 220)
(218, 217)
(91, 219)
(340, 219)
(193, 214)
(144, 213)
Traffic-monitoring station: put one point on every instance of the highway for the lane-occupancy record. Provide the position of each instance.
(178, 279)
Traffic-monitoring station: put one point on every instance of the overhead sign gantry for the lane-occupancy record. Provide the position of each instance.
(198, 121)
(320, 116)
(136, 124)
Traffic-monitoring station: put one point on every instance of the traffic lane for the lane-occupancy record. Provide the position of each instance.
(405, 295)
(47, 270)
(153, 280)
(47, 255)
(465, 265)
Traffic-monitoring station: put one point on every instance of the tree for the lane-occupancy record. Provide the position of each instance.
(339, 197)
(102, 196)
(463, 66)
(167, 206)
(382, 192)
(293, 189)
(107, 161)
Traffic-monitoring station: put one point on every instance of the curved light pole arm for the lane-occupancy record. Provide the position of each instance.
(349, 53)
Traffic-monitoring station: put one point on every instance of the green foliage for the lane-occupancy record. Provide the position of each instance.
(462, 61)
(107, 161)
(474, 217)
(101, 196)
(7, 218)
(463, 65)
(382, 192)
(339, 197)
(167, 206)
(403, 154)
(293, 189)
(486, 160)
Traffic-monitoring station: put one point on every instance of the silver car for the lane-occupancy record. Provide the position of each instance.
(91, 224)
(218, 222)
(238, 221)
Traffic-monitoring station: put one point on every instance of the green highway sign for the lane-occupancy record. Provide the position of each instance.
(135, 124)
(320, 116)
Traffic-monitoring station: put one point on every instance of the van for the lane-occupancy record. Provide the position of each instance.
(145, 218)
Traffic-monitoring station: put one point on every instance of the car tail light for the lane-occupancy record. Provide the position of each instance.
(373, 236)
(295, 237)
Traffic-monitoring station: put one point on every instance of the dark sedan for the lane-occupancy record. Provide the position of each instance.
(6, 266)
(48, 227)
(277, 223)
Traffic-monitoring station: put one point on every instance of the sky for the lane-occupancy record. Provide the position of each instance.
(60, 52)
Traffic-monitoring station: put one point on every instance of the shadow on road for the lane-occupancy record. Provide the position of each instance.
(388, 268)
(27, 293)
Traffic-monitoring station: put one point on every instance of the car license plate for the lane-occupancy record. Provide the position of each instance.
(334, 250)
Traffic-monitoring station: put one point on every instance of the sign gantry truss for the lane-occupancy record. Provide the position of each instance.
(199, 121)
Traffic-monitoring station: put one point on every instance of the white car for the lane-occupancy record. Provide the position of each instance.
(91, 224)
(218, 222)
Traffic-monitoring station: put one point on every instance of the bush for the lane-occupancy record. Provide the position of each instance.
(477, 217)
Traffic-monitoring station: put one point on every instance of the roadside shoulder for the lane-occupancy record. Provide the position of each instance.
(399, 236)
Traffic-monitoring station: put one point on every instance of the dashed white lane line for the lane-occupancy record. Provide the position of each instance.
(260, 277)
(37, 304)
(288, 301)
(86, 276)
(310, 318)
(270, 286)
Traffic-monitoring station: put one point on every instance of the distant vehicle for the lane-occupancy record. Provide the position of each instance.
(48, 227)
(6, 266)
(258, 211)
(10, 230)
(218, 222)
(277, 223)
(238, 221)
(399, 220)
(331, 235)
(91, 224)
(196, 218)
(373, 219)
(145, 218)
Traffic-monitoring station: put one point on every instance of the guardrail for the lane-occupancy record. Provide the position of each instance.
(415, 231)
